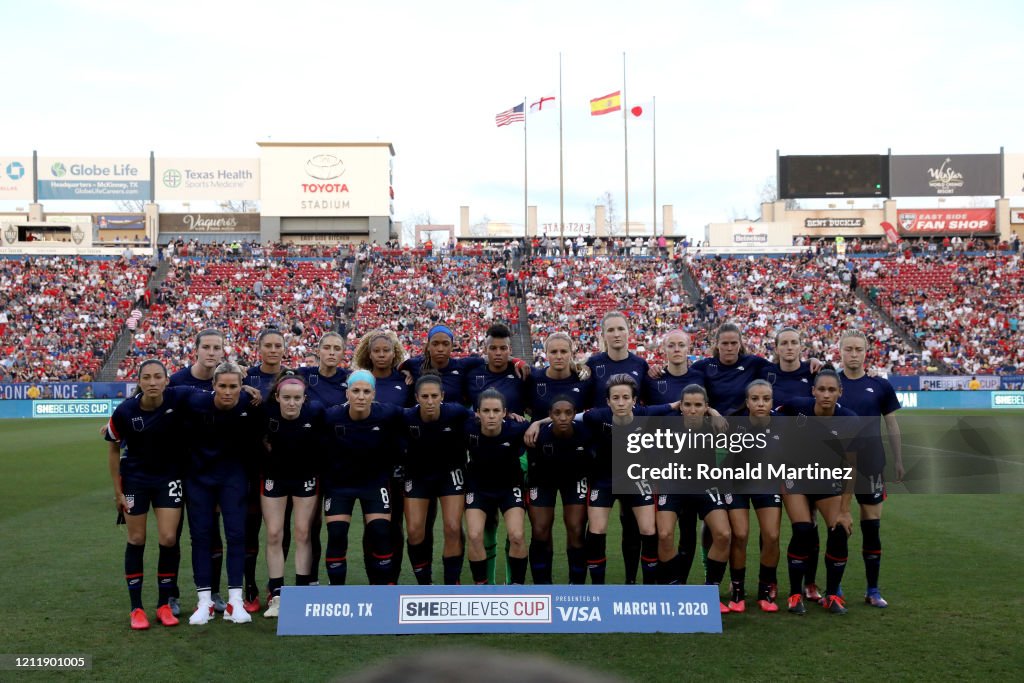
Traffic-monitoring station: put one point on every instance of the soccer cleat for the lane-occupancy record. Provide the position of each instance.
(273, 607)
(252, 604)
(723, 608)
(875, 599)
(812, 593)
(237, 613)
(737, 605)
(834, 605)
(218, 603)
(139, 620)
(175, 604)
(767, 605)
(796, 604)
(202, 615)
(165, 615)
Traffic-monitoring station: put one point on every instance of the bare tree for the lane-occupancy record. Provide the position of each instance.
(480, 228)
(408, 236)
(242, 206)
(770, 193)
(131, 205)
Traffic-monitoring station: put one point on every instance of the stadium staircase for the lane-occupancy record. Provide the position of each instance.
(689, 285)
(522, 341)
(121, 345)
(908, 338)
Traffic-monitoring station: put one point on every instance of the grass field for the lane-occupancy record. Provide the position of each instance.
(949, 573)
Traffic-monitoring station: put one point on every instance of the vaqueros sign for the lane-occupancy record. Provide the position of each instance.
(209, 222)
(947, 221)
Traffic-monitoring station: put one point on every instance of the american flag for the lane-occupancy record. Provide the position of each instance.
(512, 115)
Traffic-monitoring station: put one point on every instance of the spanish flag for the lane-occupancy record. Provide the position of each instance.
(606, 104)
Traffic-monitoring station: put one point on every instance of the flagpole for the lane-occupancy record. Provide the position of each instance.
(625, 137)
(561, 162)
(654, 157)
(526, 207)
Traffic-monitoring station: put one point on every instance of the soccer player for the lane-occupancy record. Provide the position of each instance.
(209, 353)
(788, 375)
(381, 353)
(271, 346)
(497, 373)
(558, 463)
(834, 506)
(293, 439)
(435, 466)
(148, 473)
(559, 377)
(223, 437)
(870, 397)
(767, 506)
(614, 359)
(495, 484)
(730, 369)
(437, 357)
(325, 381)
(677, 375)
(621, 397)
(359, 464)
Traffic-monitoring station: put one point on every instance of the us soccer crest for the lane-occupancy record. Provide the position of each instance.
(662, 386)
(593, 495)
(273, 425)
(313, 380)
(534, 492)
(415, 431)
(327, 504)
(542, 389)
(711, 369)
(599, 371)
(469, 499)
(138, 424)
(269, 484)
(728, 499)
(408, 485)
(479, 381)
(129, 501)
(662, 499)
(771, 378)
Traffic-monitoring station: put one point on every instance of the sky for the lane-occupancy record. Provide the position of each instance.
(733, 82)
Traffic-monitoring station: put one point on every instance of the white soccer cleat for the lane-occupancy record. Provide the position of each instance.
(273, 607)
(236, 612)
(202, 615)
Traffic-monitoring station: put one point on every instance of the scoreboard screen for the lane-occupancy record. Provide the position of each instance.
(852, 175)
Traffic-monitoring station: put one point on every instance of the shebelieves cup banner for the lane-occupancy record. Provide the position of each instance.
(368, 610)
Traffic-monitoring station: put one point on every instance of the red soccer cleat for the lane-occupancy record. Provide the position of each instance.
(139, 620)
(165, 616)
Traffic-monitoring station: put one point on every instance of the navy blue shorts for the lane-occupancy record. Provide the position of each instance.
(875, 488)
(543, 494)
(601, 496)
(296, 488)
(493, 501)
(743, 501)
(438, 485)
(142, 493)
(374, 499)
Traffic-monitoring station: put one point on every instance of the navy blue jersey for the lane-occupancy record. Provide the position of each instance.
(555, 457)
(507, 383)
(870, 397)
(668, 388)
(453, 375)
(263, 381)
(394, 391)
(598, 422)
(361, 451)
(771, 454)
(185, 378)
(602, 368)
(494, 460)
(541, 389)
(329, 391)
(436, 446)
(294, 447)
(221, 442)
(788, 384)
(844, 437)
(150, 439)
(727, 384)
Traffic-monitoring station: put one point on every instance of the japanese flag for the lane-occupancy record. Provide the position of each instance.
(643, 111)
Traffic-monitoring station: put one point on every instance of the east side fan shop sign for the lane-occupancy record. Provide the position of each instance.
(947, 221)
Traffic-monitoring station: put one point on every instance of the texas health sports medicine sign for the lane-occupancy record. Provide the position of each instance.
(366, 610)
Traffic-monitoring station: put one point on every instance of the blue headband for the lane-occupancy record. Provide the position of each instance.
(362, 376)
(444, 329)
